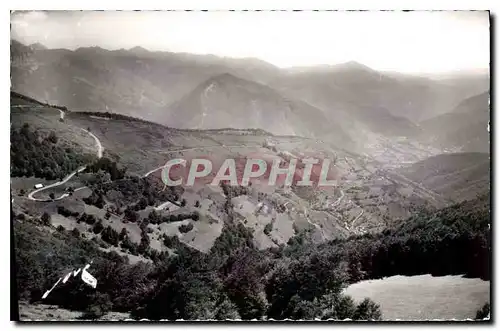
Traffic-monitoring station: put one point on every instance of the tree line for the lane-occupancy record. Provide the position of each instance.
(42, 156)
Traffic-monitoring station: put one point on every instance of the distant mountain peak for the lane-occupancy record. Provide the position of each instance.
(225, 76)
(15, 42)
(352, 65)
(225, 100)
(329, 68)
(91, 49)
(17, 49)
(37, 46)
(228, 80)
(138, 50)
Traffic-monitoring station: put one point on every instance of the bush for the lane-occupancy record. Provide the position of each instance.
(185, 228)
(123, 234)
(107, 166)
(227, 311)
(98, 227)
(95, 199)
(483, 312)
(131, 215)
(46, 219)
(128, 244)
(75, 232)
(110, 236)
(367, 310)
(171, 241)
(156, 219)
(268, 228)
(66, 212)
(87, 218)
(100, 305)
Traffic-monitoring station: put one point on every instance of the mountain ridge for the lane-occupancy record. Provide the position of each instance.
(465, 126)
(227, 100)
(142, 83)
(459, 176)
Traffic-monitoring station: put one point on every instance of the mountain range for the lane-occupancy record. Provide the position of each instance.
(176, 89)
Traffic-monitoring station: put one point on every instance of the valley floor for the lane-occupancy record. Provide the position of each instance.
(424, 297)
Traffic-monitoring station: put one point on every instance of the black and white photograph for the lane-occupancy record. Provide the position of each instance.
(250, 165)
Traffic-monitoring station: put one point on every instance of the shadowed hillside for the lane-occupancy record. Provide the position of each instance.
(465, 127)
(459, 176)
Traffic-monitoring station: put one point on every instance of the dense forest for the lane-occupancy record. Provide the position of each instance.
(135, 193)
(454, 240)
(108, 166)
(32, 154)
(235, 280)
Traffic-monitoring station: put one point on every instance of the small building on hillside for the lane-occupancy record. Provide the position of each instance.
(37, 186)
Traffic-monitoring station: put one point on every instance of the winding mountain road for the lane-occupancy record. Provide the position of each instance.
(100, 150)
(31, 197)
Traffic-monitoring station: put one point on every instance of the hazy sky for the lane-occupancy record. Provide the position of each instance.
(398, 41)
